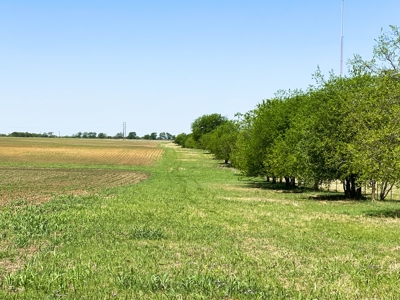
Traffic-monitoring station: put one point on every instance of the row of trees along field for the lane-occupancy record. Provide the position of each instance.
(94, 135)
(131, 136)
(341, 128)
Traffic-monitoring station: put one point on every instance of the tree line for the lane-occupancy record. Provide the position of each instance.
(93, 135)
(341, 128)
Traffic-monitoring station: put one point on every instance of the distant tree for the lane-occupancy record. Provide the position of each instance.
(147, 137)
(162, 136)
(119, 135)
(132, 136)
(77, 135)
(153, 136)
(102, 135)
(170, 136)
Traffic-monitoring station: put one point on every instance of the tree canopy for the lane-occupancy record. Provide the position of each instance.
(342, 128)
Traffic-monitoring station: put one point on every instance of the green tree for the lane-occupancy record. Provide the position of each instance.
(377, 145)
(132, 136)
(180, 139)
(119, 135)
(221, 141)
(190, 142)
(259, 129)
(206, 124)
(386, 55)
(162, 136)
(153, 136)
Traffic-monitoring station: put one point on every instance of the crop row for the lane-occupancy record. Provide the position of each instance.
(132, 156)
(41, 184)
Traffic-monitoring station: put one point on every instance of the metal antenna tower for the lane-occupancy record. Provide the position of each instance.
(341, 43)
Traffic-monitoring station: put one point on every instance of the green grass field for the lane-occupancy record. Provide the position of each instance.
(194, 230)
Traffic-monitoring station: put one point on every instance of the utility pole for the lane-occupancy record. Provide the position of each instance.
(123, 130)
(341, 43)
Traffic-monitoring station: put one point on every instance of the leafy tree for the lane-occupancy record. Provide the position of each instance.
(119, 135)
(190, 142)
(386, 55)
(377, 145)
(261, 128)
(132, 136)
(170, 136)
(102, 135)
(162, 136)
(206, 124)
(180, 139)
(221, 141)
(153, 136)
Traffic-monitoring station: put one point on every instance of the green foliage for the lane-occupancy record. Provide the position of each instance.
(180, 139)
(344, 128)
(221, 141)
(260, 129)
(386, 56)
(29, 134)
(206, 124)
(165, 136)
(89, 135)
(190, 142)
(152, 136)
(119, 135)
(194, 231)
(132, 136)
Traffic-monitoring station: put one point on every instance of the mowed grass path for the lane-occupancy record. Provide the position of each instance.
(196, 230)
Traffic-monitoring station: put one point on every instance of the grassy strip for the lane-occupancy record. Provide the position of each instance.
(194, 230)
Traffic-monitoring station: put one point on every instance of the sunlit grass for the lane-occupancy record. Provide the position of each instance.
(194, 230)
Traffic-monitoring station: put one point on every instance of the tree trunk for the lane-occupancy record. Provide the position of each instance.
(386, 188)
(287, 181)
(351, 191)
(373, 183)
(273, 179)
(316, 185)
(293, 181)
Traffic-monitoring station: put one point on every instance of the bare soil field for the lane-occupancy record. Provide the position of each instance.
(41, 184)
(37, 169)
(78, 151)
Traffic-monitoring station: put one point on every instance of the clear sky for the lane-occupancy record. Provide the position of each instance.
(69, 65)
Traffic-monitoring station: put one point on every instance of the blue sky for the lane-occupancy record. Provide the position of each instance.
(69, 66)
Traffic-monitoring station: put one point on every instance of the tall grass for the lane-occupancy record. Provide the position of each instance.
(195, 230)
